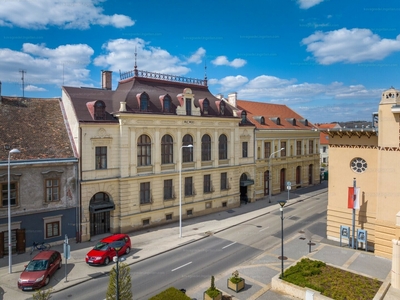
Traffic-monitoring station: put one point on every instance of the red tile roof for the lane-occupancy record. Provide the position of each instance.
(270, 112)
(36, 127)
(324, 138)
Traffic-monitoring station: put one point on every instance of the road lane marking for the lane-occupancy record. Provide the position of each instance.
(181, 266)
(264, 228)
(229, 245)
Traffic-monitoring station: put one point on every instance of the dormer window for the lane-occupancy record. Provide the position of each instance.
(244, 117)
(262, 121)
(144, 102)
(294, 122)
(222, 108)
(99, 110)
(167, 104)
(206, 106)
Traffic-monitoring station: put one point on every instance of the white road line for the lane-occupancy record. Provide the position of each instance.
(229, 245)
(181, 266)
(264, 229)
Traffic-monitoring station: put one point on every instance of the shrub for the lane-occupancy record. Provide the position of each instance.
(42, 294)
(212, 291)
(235, 277)
(170, 293)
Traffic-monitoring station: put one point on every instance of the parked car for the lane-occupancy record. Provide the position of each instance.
(103, 252)
(39, 270)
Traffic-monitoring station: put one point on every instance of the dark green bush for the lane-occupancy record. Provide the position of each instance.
(170, 293)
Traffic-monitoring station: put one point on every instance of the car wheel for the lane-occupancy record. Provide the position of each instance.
(127, 250)
(46, 282)
(60, 264)
(106, 261)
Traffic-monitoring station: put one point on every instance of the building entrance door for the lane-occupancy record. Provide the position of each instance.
(99, 223)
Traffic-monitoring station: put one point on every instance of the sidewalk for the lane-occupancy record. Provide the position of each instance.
(148, 243)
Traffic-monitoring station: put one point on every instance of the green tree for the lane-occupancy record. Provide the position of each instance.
(42, 294)
(124, 283)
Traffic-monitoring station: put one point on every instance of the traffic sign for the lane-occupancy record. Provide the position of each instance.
(288, 183)
(289, 187)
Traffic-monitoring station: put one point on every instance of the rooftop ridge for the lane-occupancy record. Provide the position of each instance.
(154, 75)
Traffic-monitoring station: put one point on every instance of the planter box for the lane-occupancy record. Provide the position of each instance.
(206, 297)
(236, 286)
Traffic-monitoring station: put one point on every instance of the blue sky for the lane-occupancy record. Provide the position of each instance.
(328, 60)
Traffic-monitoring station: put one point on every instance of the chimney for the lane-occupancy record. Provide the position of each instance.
(122, 106)
(232, 98)
(106, 80)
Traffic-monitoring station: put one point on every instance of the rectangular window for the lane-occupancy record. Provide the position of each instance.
(188, 106)
(52, 190)
(244, 149)
(168, 217)
(283, 152)
(13, 194)
(188, 186)
(52, 229)
(145, 193)
(324, 159)
(267, 149)
(207, 184)
(168, 189)
(310, 147)
(224, 181)
(189, 212)
(298, 147)
(324, 149)
(101, 158)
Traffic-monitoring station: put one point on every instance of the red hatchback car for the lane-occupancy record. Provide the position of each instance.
(39, 270)
(103, 253)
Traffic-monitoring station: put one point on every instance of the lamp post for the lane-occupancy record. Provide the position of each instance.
(270, 174)
(117, 245)
(282, 258)
(180, 188)
(12, 151)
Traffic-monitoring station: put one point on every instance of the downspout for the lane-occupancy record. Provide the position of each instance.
(79, 179)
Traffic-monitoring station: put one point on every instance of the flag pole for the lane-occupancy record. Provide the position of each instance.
(354, 213)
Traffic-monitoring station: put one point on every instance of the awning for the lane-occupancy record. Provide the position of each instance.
(101, 207)
(247, 182)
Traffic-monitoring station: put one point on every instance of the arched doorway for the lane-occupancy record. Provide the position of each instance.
(244, 183)
(310, 174)
(282, 184)
(266, 183)
(298, 176)
(99, 207)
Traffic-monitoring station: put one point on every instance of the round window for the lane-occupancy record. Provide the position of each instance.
(358, 165)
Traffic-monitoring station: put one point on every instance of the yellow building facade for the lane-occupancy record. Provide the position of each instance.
(370, 157)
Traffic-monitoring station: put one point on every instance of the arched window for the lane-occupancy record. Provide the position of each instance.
(99, 110)
(144, 150)
(187, 152)
(244, 117)
(167, 104)
(167, 149)
(278, 121)
(223, 147)
(206, 106)
(222, 108)
(205, 148)
(262, 120)
(144, 102)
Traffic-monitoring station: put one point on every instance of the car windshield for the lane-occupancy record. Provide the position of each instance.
(102, 246)
(37, 265)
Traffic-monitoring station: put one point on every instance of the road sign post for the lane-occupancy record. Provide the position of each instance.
(67, 254)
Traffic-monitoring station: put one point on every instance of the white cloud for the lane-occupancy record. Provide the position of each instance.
(33, 88)
(223, 61)
(80, 14)
(306, 4)
(120, 54)
(231, 82)
(66, 64)
(349, 46)
(197, 56)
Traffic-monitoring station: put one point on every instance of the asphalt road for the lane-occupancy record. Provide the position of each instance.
(193, 264)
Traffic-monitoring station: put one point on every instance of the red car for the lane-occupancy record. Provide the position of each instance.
(103, 252)
(39, 270)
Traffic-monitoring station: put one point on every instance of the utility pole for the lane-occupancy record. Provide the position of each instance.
(23, 81)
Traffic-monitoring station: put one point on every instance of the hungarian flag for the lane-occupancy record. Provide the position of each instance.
(353, 198)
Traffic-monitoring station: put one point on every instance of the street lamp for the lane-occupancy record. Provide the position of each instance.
(117, 245)
(180, 188)
(270, 174)
(282, 258)
(12, 151)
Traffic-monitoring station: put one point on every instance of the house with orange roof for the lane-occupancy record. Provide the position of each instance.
(286, 146)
